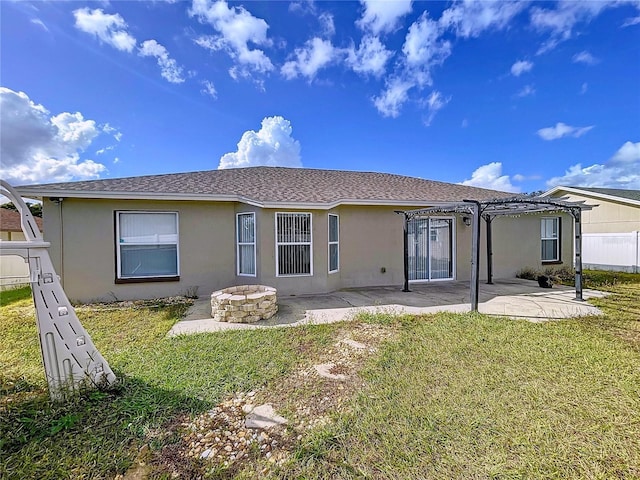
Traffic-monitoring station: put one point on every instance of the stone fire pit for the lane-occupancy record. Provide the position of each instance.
(244, 304)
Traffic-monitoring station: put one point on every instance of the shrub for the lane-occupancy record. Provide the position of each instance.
(528, 273)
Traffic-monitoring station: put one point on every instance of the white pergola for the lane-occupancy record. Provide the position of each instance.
(488, 210)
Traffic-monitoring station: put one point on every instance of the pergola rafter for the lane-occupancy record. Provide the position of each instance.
(488, 210)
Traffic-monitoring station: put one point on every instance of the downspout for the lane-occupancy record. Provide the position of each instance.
(58, 201)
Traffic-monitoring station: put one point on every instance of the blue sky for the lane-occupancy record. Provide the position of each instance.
(514, 96)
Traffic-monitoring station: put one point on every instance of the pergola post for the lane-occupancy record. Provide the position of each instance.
(406, 253)
(475, 255)
(577, 215)
(488, 219)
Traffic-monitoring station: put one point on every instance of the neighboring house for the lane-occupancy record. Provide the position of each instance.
(302, 231)
(14, 271)
(611, 231)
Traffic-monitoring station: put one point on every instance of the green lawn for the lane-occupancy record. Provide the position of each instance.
(446, 396)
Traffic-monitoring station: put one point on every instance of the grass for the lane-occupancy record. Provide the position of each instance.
(469, 396)
(447, 396)
(98, 435)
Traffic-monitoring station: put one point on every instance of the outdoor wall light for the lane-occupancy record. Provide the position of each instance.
(466, 221)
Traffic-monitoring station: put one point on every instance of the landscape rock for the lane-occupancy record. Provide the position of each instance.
(264, 417)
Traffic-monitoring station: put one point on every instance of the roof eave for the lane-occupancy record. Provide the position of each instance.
(589, 193)
(42, 194)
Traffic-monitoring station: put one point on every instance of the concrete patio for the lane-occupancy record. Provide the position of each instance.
(514, 298)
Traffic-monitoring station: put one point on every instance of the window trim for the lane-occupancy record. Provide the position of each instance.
(557, 239)
(239, 244)
(329, 242)
(142, 279)
(310, 243)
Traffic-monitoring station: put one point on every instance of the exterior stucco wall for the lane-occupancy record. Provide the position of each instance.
(370, 246)
(608, 217)
(517, 244)
(87, 260)
(370, 241)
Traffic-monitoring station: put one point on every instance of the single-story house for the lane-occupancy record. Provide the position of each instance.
(303, 231)
(611, 231)
(14, 271)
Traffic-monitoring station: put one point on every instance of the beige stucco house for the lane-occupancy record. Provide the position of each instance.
(611, 230)
(302, 231)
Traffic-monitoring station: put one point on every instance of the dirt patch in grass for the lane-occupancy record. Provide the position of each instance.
(218, 443)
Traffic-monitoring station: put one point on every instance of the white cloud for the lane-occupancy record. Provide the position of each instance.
(560, 21)
(110, 29)
(383, 16)
(328, 27)
(562, 130)
(209, 89)
(585, 57)
(40, 23)
(621, 171)
(520, 67)
(169, 68)
(470, 18)
(423, 49)
(394, 96)
(435, 102)
(272, 146)
(526, 91)
(38, 147)
(629, 153)
(303, 7)
(490, 176)
(237, 28)
(105, 149)
(584, 88)
(631, 21)
(315, 55)
(371, 57)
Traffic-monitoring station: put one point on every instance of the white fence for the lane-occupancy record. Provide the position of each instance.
(611, 251)
(14, 271)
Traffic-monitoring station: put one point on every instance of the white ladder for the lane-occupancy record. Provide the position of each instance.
(71, 360)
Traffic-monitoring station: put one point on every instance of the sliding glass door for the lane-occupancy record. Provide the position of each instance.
(430, 249)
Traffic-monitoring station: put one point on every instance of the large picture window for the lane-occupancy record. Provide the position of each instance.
(334, 243)
(147, 245)
(550, 237)
(246, 243)
(293, 244)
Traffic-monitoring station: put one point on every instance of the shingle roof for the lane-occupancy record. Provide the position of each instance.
(275, 185)
(10, 221)
(614, 192)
